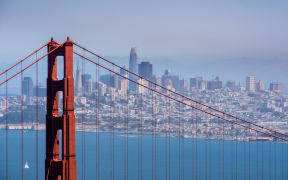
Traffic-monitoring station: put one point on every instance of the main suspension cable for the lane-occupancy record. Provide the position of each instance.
(22, 60)
(22, 70)
(181, 95)
(177, 100)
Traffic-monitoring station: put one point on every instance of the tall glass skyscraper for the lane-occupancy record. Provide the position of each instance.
(27, 84)
(133, 66)
(146, 70)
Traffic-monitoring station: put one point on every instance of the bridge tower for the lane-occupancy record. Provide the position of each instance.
(57, 168)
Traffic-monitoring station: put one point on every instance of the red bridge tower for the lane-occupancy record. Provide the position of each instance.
(55, 168)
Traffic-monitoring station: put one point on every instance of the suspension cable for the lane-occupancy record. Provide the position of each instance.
(183, 140)
(153, 136)
(37, 121)
(166, 138)
(83, 121)
(169, 140)
(17, 73)
(6, 109)
(177, 100)
(127, 130)
(113, 124)
(179, 135)
(181, 95)
(223, 152)
(22, 60)
(21, 96)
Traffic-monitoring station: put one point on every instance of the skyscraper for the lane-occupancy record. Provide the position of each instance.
(146, 70)
(215, 84)
(194, 82)
(231, 84)
(250, 84)
(87, 82)
(27, 85)
(133, 67)
(166, 79)
(78, 83)
(260, 86)
(277, 87)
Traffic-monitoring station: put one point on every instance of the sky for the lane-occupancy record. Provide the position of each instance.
(185, 32)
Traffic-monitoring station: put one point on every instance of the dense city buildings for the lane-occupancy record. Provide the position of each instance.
(254, 103)
(215, 84)
(194, 82)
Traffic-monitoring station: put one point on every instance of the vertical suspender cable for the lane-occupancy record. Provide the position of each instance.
(166, 139)
(82, 116)
(183, 145)
(22, 121)
(98, 114)
(244, 155)
(179, 134)
(153, 131)
(127, 130)
(155, 135)
(257, 158)
(97, 123)
(196, 151)
(83, 120)
(206, 153)
(270, 160)
(232, 153)
(6, 109)
(141, 129)
(223, 155)
(169, 140)
(111, 133)
(236, 158)
(219, 150)
(210, 149)
(192, 144)
(282, 157)
(275, 160)
(37, 121)
(138, 131)
(209, 146)
(249, 159)
(262, 153)
(113, 125)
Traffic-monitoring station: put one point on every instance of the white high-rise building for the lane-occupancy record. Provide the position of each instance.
(250, 83)
(78, 83)
(141, 89)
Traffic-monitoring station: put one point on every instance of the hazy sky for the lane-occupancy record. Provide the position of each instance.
(158, 28)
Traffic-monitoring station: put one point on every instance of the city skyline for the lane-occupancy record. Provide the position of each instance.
(84, 82)
(143, 90)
